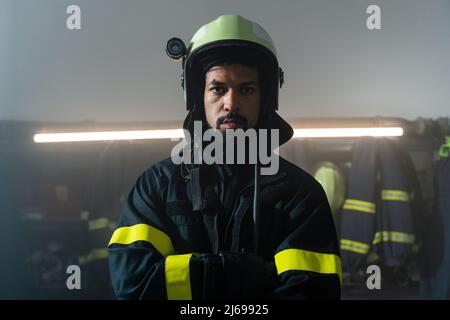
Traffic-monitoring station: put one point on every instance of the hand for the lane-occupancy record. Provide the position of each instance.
(248, 275)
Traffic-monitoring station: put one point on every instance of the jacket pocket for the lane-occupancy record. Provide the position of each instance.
(191, 229)
(181, 213)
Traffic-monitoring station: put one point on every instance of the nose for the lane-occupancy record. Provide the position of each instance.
(231, 101)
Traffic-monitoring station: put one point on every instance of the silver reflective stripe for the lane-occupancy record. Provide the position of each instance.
(359, 205)
(395, 195)
(393, 236)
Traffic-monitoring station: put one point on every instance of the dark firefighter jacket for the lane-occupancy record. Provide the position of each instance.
(163, 249)
(378, 214)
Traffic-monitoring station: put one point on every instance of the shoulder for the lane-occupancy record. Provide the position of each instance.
(304, 193)
(155, 181)
(163, 168)
(159, 174)
(301, 185)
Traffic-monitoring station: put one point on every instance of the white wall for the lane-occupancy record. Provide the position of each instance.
(6, 95)
(115, 68)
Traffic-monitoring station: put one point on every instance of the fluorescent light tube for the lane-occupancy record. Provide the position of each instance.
(108, 135)
(348, 132)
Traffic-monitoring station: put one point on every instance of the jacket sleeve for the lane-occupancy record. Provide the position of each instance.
(140, 244)
(307, 260)
(146, 263)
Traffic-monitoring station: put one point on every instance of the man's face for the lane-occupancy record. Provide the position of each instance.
(232, 97)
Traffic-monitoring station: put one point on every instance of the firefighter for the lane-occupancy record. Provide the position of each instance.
(187, 231)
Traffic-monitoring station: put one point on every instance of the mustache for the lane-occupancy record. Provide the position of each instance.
(231, 116)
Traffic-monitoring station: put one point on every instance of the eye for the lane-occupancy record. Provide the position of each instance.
(218, 90)
(247, 90)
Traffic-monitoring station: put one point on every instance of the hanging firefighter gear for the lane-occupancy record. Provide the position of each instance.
(377, 215)
(358, 212)
(436, 285)
(333, 182)
(395, 233)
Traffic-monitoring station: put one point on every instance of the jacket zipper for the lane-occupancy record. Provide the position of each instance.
(245, 204)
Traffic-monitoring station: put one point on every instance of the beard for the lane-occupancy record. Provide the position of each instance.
(232, 117)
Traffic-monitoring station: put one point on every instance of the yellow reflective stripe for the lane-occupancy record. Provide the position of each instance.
(393, 236)
(296, 259)
(178, 279)
(396, 195)
(84, 215)
(98, 223)
(359, 205)
(350, 248)
(95, 254)
(144, 232)
(355, 246)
